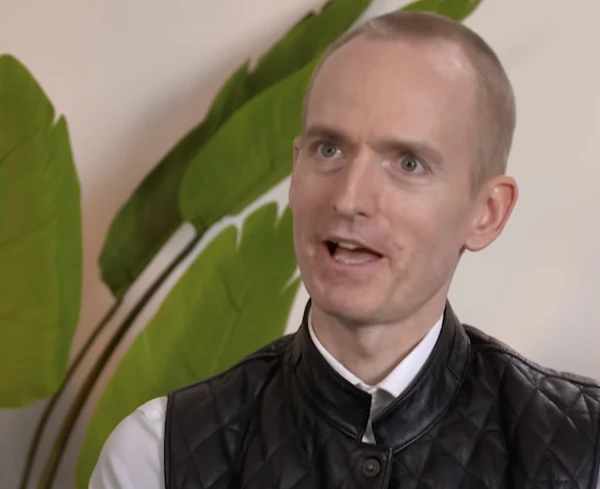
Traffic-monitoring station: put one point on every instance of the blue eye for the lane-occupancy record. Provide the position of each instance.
(327, 150)
(410, 164)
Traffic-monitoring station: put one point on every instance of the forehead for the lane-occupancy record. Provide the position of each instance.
(411, 88)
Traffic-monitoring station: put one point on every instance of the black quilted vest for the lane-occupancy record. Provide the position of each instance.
(478, 415)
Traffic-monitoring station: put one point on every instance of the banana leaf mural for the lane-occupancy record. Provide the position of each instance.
(235, 295)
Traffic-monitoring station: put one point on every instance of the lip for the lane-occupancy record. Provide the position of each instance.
(355, 270)
(351, 239)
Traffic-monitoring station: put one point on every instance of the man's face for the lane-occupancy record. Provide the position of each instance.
(380, 190)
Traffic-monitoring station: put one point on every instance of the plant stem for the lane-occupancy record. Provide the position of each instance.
(43, 421)
(66, 428)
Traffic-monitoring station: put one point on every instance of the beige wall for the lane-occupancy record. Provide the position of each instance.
(133, 75)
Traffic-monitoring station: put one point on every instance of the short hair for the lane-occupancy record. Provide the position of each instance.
(495, 93)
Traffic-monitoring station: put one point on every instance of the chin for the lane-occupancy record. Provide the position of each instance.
(350, 307)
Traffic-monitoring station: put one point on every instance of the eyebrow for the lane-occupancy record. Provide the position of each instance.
(325, 132)
(386, 144)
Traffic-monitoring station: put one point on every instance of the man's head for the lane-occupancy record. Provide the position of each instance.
(407, 127)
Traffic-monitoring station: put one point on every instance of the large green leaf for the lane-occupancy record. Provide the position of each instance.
(230, 301)
(251, 152)
(151, 214)
(455, 9)
(40, 240)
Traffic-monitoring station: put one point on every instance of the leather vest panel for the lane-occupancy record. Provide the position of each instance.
(478, 415)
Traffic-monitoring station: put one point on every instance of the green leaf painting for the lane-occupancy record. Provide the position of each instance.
(455, 9)
(230, 301)
(40, 240)
(152, 214)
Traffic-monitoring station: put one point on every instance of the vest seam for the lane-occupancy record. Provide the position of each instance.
(449, 363)
(167, 441)
(596, 460)
(323, 417)
(440, 417)
(388, 474)
(248, 431)
(320, 413)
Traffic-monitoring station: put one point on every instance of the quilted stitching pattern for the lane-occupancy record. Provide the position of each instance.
(544, 437)
(511, 424)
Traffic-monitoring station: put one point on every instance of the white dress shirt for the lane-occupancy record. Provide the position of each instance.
(132, 457)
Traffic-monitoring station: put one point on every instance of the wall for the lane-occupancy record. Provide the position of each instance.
(133, 75)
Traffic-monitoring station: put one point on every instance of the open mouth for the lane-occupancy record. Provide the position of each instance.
(351, 253)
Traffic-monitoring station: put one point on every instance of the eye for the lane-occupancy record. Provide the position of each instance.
(327, 150)
(410, 164)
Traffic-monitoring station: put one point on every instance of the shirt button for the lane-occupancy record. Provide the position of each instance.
(371, 467)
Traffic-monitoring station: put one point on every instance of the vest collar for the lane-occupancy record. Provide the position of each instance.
(409, 416)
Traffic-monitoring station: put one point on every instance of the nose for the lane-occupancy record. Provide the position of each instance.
(356, 189)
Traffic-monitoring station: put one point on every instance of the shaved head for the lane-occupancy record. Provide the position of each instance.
(496, 114)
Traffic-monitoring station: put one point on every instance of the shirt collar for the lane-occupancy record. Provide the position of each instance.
(400, 377)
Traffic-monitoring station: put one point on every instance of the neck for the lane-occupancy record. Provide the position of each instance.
(372, 351)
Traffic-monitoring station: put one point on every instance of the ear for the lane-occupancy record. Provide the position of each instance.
(296, 151)
(495, 203)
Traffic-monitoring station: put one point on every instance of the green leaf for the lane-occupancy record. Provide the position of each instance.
(152, 214)
(250, 154)
(40, 240)
(229, 302)
(455, 9)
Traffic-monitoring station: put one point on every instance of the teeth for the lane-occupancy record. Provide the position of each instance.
(350, 260)
(348, 245)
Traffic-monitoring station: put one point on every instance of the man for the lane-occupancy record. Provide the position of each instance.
(399, 169)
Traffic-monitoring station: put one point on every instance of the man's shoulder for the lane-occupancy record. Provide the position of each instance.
(527, 376)
(535, 406)
(222, 403)
(132, 456)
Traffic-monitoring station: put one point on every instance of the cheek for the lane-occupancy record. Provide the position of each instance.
(306, 200)
(305, 210)
(430, 227)
(300, 208)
